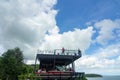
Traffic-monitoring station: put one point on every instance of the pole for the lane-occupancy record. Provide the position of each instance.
(35, 64)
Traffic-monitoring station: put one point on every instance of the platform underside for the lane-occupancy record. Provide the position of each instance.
(57, 59)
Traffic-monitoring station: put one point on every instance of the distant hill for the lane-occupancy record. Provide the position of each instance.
(93, 75)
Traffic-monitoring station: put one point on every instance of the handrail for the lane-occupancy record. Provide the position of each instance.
(60, 52)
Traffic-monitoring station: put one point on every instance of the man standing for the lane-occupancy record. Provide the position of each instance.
(79, 52)
(63, 50)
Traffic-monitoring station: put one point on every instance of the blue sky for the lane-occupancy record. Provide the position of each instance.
(76, 13)
(83, 13)
(90, 25)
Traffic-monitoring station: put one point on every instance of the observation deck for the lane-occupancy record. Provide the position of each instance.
(57, 57)
(57, 64)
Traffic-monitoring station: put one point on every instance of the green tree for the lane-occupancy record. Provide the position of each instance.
(11, 64)
(0, 67)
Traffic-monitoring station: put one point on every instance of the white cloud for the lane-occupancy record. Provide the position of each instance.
(105, 60)
(31, 25)
(1, 50)
(107, 30)
(23, 23)
(109, 52)
(70, 40)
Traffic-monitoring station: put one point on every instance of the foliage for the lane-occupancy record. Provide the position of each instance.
(81, 78)
(27, 69)
(13, 68)
(0, 67)
(11, 64)
(93, 75)
(29, 76)
(84, 78)
(28, 73)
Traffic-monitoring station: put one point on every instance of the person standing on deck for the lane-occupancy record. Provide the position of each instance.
(63, 50)
(79, 52)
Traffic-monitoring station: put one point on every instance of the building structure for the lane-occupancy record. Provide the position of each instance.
(57, 65)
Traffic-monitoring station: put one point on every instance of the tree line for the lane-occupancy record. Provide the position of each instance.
(12, 65)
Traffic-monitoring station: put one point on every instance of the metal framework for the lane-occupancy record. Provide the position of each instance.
(57, 64)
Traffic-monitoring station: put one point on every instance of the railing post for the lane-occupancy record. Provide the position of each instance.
(35, 64)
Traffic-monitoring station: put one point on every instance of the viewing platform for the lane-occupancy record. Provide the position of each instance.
(61, 52)
(57, 64)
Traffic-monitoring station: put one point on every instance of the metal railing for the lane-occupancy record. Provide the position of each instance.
(60, 52)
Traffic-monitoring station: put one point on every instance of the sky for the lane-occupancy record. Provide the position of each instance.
(90, 25)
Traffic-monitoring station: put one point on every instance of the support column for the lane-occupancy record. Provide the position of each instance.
(54, 60)
(35, 64)
(73, 66)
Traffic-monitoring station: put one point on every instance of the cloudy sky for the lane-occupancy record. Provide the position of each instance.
(91, 25)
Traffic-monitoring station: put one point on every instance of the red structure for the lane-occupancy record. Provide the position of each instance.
(63, 50)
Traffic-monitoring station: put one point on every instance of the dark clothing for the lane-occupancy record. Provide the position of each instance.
(63, 50)
(79, 52)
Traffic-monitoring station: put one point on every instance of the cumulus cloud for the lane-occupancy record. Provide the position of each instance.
(70, 40)
(24, 23)
(105, 60)
(107, 29)
(31, 25)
